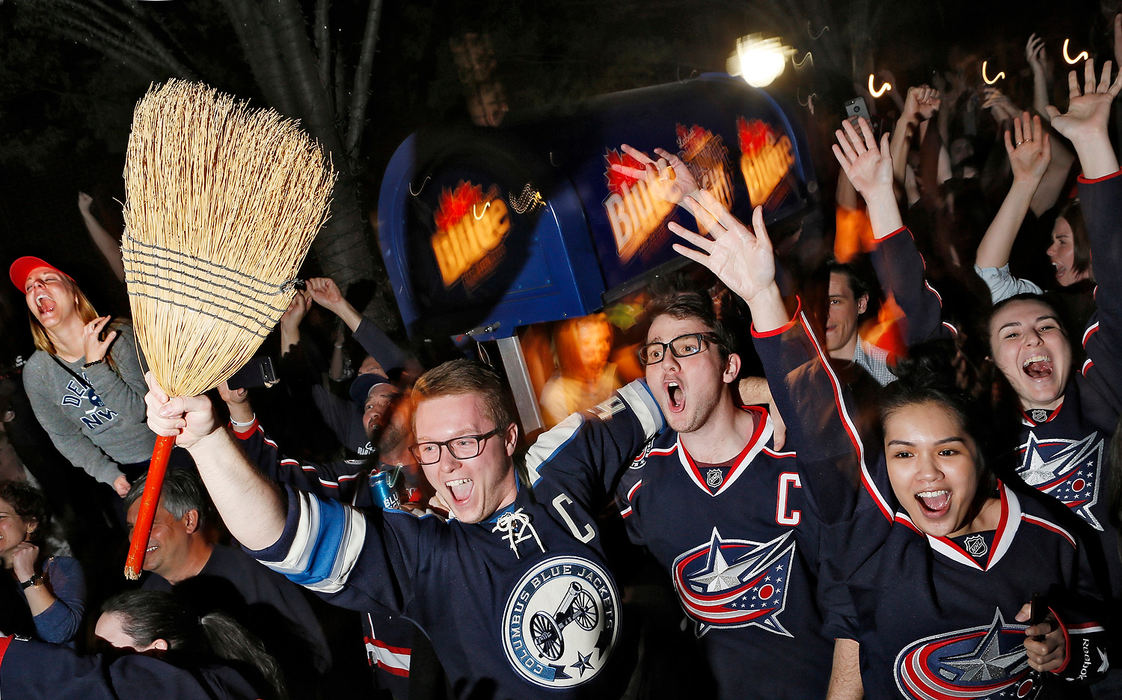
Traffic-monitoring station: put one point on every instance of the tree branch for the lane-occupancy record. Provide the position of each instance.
(360, 94)
(261, 53)
(340, 83)
(323, 43)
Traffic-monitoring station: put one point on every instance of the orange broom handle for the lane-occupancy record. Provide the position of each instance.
(153, 483)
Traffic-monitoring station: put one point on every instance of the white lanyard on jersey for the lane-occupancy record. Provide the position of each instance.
(517, 528)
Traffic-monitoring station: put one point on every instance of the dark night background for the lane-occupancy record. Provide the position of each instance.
(67, 90)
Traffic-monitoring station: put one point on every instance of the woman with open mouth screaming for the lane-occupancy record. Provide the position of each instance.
(84, 380)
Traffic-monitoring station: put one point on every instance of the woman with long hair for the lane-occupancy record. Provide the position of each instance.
(41, 596)
(84, 380)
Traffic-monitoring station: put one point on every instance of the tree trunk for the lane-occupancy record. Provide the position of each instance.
(342, 247)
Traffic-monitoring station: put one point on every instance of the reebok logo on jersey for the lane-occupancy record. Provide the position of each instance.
(560, 623)
(980, 662)
(735, 583)
(1067, 470)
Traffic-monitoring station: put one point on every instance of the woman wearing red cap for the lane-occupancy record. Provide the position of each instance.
(87, 390)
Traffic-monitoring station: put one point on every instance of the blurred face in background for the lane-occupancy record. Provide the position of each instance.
(1062, 254)
(842, 314)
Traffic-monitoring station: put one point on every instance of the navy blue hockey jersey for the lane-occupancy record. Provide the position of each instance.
(520, 605)
(1065, 453)
(741, 545)
(38, 671)
(934, 617)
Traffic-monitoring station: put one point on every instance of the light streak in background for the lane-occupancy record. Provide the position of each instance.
(987, 79)
(878, 92)
(1081, 56)
(759, 61)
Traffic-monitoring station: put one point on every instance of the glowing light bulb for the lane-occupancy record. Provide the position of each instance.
(758, 60)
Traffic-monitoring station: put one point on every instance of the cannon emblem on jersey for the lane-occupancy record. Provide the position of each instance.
(548, 630)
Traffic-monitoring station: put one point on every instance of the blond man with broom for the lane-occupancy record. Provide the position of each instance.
(513, 591)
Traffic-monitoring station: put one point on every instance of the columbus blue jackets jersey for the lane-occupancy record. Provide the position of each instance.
(934, 617)
(520, 605)
(388, 638)
(741, 544)
(1064, 453)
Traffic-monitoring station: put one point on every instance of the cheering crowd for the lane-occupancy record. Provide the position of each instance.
(788, 503)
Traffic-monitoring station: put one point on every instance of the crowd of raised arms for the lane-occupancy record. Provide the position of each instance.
(799, 496)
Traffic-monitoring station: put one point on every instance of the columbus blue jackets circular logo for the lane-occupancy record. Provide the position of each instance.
(560, 623)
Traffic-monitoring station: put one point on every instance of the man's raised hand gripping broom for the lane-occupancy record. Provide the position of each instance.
(222, 203)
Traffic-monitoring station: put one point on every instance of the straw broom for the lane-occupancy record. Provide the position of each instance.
(222, 203)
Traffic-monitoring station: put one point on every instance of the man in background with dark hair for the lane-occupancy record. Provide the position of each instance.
(847, 301)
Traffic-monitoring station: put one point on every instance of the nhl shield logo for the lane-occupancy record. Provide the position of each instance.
(714, 478)
(980, 662)
(735, 583)
(560, 623)
(975, 545)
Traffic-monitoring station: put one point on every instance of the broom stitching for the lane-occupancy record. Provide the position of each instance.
(265, 286)
(250, 297)
(267, 327)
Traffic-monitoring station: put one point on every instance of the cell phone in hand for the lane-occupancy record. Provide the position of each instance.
(258, 372)
(1039, 611)
(857, 108)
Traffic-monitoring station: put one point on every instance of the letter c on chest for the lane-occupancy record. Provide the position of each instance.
(787, 481)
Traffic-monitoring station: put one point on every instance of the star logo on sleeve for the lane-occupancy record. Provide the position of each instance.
(1067, 470)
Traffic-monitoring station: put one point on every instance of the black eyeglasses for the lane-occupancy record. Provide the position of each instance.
(682, 346)
(463, 447)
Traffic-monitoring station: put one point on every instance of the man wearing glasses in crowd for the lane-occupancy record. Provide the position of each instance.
(513, 591)
(725, 513)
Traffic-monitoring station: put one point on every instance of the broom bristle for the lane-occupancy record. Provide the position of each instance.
(222, 203)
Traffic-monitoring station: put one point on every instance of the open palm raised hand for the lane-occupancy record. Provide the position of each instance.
(1087, 111)
(739, 256)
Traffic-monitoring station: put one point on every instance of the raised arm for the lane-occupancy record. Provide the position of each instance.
(899, 267)
(1030, 151)
(1100, 191)
(106, 244)
(249, 504)
(291, 319)
(373, 340)
(1085, 122)
(922, 103)
(869, 167)
(1041, 72)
